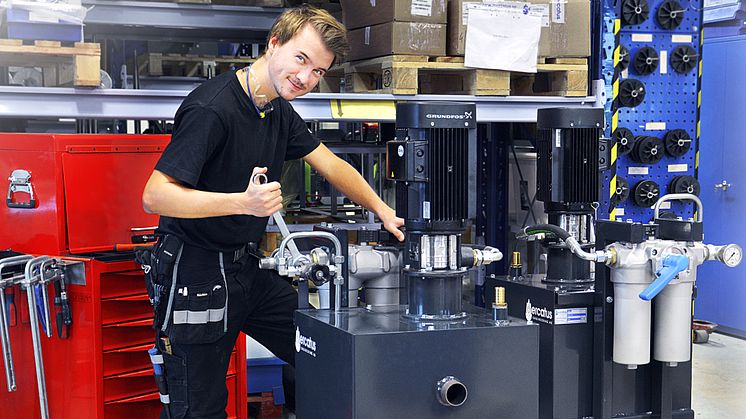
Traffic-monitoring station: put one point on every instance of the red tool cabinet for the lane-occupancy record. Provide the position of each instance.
(87, 191)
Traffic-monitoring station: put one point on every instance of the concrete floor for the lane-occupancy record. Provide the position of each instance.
(719, 378)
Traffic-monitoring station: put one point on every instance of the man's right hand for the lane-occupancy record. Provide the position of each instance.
(261, 199)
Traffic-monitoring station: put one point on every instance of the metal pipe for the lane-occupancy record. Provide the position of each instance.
(10, 378)
(10, 375)
(451, 391)
(599, 256)
(29, 280)
(679, 197)
(338, 280)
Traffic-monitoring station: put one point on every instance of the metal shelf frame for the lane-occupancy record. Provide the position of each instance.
(119, 104)
(136, 20)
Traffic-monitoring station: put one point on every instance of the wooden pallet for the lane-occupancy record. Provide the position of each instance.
(412, 74)
(156, 64)
(555, 77)
(405, 74)
(83, 60)
(265, 406)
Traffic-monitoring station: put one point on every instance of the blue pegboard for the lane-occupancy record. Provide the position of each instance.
(690, 23)
(670, 103)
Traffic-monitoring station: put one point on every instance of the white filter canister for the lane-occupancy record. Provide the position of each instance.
(673, 323)
(631, 324)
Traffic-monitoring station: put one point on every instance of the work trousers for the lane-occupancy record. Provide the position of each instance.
(202, 335)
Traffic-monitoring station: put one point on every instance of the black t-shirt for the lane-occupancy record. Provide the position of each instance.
(218, 139)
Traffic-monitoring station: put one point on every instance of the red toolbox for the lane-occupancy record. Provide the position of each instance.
(86, 193)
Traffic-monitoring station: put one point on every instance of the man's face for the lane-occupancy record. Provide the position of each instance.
(296, 66)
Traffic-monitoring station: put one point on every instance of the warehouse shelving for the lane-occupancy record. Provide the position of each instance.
(178, 21)
(53, 102)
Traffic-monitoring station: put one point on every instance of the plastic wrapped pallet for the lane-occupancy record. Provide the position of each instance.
(59, 20)
(565, 24)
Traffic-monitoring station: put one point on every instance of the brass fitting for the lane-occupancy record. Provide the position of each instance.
(515, 260)
(500, 297)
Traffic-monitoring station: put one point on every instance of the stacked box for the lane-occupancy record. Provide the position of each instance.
(565, 32)
(385, 27)
(31, 25)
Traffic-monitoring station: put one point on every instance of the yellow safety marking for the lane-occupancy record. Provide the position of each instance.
(617, 26)
(700, 68)
(613, 153)
(701, 37)
(615, 90)
(612, 187)
(363, 109)
(697, 129)
(696, 160)
(614, 121)
(699, 98)
(612, 216)
(617, 55)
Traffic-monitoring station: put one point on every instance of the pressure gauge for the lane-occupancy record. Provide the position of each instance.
(731, 255)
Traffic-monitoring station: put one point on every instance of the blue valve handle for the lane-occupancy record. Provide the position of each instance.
(672, 265)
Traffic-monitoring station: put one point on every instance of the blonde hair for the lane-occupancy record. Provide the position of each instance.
(332, 32)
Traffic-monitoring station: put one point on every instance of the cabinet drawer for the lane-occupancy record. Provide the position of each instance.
(124, 309)
(129, 385)
(121, 361)
(147, 406)
(120, 284)
(125, 334)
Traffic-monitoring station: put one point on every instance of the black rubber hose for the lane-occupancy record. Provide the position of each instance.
(473, 246)
(561, 233)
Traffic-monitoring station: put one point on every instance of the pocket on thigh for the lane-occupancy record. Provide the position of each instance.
(176, 381)
(199, 311)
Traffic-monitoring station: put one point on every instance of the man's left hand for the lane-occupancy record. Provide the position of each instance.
(392, 223)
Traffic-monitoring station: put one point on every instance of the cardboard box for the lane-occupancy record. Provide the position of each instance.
(457, 17)
(566, 25)
(407, 38)
(361, 13)
(569, 32)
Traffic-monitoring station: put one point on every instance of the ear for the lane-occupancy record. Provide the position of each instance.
(273, 44)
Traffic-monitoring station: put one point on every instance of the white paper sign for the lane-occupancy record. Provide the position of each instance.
(502, 41)
(642, 37)
(655, 126)
(421, 8)
(678, 39)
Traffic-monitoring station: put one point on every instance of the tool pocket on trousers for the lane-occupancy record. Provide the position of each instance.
(199, 312)
(176, 381)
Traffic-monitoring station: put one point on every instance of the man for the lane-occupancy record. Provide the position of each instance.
(228, 129)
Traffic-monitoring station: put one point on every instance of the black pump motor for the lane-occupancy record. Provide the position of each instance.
(571, 155)
(429, 159)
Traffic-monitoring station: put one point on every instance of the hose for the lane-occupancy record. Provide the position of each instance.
(599, 256)
(546, 228)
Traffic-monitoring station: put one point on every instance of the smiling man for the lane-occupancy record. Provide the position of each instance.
(205, 283)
